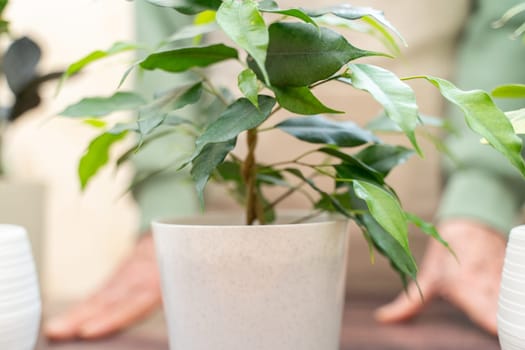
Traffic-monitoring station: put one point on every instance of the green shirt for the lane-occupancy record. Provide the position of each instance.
(482, 184)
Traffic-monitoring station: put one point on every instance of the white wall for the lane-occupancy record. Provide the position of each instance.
(86, 233)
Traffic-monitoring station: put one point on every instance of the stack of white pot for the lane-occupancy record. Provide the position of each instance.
(20, 306)
(511, 313)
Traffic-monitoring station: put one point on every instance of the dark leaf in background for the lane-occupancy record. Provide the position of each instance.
(319, 129)
(20, 69)
(20, 62)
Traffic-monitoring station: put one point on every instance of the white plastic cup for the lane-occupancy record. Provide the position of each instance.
(20, 309)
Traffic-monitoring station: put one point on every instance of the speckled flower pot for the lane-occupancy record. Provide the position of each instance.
(235, 287)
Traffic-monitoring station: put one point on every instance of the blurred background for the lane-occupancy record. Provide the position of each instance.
(85, 234)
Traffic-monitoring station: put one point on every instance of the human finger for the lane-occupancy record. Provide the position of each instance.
(408, 304)
(120, 315)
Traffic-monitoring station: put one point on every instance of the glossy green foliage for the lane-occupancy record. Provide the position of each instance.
(286, 53)
(385, 209)
(101, 106)
(319, 129)
(352, 13)
(188, 7)
(206, 161)
(383, 158)
(244, 24)
(485, 118)
(97, 55)
(300, 54)
(300, 100)
(97, 155)
(240, 116)
(396, 97)
(181, 60)
(509, 91)
(249, 86)
(273, 7)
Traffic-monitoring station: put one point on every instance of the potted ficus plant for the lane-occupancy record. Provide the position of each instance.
(275, 281)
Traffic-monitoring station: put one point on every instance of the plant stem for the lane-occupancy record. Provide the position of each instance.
(289, 192)
(254, 211)
(212, 89)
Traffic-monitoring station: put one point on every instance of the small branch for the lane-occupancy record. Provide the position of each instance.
(294, 160)
(211, 88)
(249, 172)
(325, 81)
(290, 191)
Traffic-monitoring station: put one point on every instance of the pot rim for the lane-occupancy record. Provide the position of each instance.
(217, 219)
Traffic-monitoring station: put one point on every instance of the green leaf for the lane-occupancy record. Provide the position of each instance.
(240, 116)
(97, 55)
(96, 156)
(192, 31)
(230, 171)
(187, 97)
(371, 28)
(509, 14)
(352, 168)
(509, 91)
(385, 208)
(188, 7)
(149, 119)
(300, 100)
(205, 17)
(517, 118)
(268, 210)
(249, 85)
(3, 4)
(429, 229)
(180, 60)
(299, 54)
(342, 200)
(325, 197)
(317, 129)
(484, 118)
(244, 24)
(96, 123)
(396, 97)
(272, 177)
(352, 13)
(272, 7)
(211, 155)
(101, 106)
(4, 26)
(388, 246)
(384, 158)
(153, 115)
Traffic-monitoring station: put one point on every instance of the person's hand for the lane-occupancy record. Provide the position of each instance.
(472, 284)
(129, 295)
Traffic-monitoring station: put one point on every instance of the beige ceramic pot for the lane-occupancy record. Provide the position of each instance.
(236, 287)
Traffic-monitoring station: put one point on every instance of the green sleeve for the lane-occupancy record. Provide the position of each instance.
(481, 184)
(170, 193)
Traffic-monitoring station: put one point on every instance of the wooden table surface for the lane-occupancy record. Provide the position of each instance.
(440, 327)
